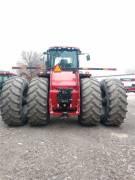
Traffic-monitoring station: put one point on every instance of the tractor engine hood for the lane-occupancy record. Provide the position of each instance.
(64, 79)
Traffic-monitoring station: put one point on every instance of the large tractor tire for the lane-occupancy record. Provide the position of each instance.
(91, 102)
(38, 114)
(114, 102)
(13, 101)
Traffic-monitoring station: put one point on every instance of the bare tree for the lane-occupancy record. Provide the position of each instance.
(30, 59)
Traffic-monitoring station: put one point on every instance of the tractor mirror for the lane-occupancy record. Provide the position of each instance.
(88, 57)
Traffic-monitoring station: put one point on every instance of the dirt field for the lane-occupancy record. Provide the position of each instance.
(63, 150)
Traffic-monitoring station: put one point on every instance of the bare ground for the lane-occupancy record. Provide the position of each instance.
(63, 150)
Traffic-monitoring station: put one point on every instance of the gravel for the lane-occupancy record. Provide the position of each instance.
(64, 150)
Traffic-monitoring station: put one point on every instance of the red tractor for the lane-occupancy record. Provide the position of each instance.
(63, 92)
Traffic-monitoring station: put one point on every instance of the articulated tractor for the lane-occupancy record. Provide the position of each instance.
(63, 91)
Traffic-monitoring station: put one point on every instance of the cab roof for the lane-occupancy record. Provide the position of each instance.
(64, 48)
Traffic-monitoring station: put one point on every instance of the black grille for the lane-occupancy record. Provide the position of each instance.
(64, 98)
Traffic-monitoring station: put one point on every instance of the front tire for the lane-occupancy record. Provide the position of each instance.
(90, 102)
(38, 114)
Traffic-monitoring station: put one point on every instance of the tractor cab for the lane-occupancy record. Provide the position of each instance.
(66, 57)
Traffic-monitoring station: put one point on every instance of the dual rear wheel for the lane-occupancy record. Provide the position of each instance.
(105, 102)
(20, 103)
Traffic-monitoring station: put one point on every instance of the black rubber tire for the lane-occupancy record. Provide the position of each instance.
(13, 101)
(91, 102)
(37, 100)
(114, 102)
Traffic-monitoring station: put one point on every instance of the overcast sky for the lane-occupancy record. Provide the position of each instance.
(103, 28)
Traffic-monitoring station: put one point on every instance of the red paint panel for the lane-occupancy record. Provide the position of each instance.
(64, 80)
